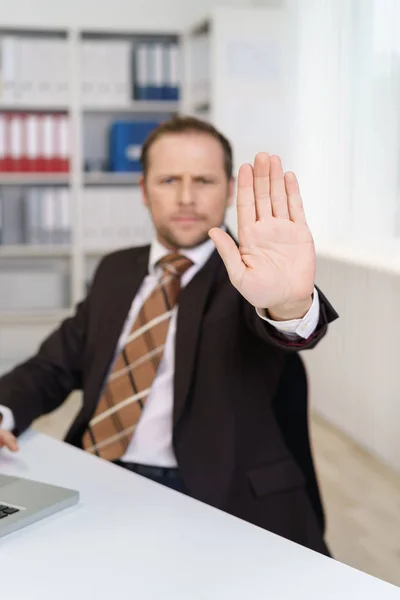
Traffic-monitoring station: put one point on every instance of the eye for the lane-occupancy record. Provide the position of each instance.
(203, 180)
(168, 180)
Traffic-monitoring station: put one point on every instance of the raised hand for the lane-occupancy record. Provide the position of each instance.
(274, 266)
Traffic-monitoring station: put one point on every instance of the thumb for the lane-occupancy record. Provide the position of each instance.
(8, 440)
(229, 253)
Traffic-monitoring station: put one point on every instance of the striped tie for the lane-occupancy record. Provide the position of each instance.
(128, 384)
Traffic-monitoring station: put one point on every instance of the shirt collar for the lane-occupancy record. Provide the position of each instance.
(198, 255)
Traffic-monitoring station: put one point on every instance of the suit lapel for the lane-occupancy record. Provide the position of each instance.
(191, 309)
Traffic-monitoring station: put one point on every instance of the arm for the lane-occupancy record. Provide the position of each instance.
(270, 332)
(41, 384)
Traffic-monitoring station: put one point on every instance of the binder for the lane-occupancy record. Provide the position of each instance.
(31, 216)
(48, 216)
(24, 163)
(2, 143)
(32, 142)
(126, 140)
(48, 142)
(174, 74)
(155, 71)
(1, 217)
(64, 212)
(8, 53)
(171, 72)
(16, 141)
(63, 158)
(141, 81)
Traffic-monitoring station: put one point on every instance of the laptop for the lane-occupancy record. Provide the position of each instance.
(23, 501)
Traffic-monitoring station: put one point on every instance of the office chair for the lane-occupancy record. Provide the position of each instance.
(291, 411)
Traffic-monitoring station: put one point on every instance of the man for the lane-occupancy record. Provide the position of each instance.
(184, 395)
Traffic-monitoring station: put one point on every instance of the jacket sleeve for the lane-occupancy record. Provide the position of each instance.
(44, 381)
(267, 332)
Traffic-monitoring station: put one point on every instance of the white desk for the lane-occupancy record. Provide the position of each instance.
(132, 538)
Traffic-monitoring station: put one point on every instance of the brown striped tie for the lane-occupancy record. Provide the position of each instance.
(128, 384)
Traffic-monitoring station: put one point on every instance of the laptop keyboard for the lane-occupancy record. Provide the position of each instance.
(6, 511)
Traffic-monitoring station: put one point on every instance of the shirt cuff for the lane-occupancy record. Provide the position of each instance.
(303, 328)
(8, 422)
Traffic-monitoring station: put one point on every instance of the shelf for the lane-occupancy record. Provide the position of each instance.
(97, 252)
(139, 106)
(202, 107)
(35, 107)
(15, 318)
(40, 251)
(34, 178)
(112, 179)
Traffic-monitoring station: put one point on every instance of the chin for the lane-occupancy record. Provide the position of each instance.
(186, 239)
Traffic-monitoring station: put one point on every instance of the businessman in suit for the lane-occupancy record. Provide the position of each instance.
(179, 346)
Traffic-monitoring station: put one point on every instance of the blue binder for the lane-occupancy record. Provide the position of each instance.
(126, 140)
(171, 72)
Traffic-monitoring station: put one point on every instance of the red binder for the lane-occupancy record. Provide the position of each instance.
(15, 125)
(64, 151)
(7, 135)
(40, 160)
(24, 164)
(2, 143)
(32, 142)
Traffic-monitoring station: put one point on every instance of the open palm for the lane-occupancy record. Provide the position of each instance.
(274, 264)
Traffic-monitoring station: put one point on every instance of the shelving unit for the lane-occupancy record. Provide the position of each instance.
(239, 74)
(245, 97)
(91, 193)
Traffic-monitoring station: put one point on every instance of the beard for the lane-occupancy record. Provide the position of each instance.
(179, 240)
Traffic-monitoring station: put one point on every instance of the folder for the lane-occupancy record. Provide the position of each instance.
(2, 143)
(32, 216)
(15, 124)
(1, 216)
(48, 123)
(12, 217)
(32, 142)
(48, 216)
(155, 71)
(8, 53)
(64, 212)
(63, 149)
(171, 72)
(126, 140)
(141, 81)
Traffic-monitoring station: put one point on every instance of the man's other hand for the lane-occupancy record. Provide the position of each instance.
(8, 440)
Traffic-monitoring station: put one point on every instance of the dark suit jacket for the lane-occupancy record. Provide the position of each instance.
(228, 364)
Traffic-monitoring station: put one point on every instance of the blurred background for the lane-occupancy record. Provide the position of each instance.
(315, 81)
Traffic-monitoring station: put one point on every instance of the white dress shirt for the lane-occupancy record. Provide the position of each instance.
(152, 441)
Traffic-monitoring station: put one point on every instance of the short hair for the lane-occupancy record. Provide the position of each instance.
(181, 124)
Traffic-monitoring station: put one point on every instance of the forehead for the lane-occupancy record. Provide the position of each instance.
(186, 151)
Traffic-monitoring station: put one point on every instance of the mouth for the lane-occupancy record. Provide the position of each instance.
(187, 219)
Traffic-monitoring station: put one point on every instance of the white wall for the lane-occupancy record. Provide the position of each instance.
(148, 15)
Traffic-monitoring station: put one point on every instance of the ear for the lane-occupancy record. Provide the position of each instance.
(142, 185)
(231, 191)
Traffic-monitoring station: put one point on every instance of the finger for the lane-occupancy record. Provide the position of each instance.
(295, 202)
(8, 440)
(278, 191)
(246, 208)
(262, 185)
(229, 253)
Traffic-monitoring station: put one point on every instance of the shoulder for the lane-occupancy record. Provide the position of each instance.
(124, 256)
(121, 261)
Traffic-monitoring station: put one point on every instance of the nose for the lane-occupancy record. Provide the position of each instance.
(186, 196)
